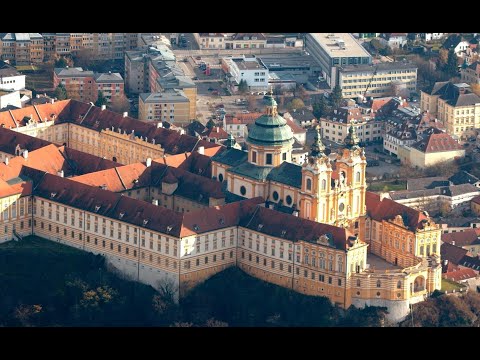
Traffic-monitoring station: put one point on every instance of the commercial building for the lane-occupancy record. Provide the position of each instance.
(332, 50)
(231, 41)
(247, 68)
(378, 80)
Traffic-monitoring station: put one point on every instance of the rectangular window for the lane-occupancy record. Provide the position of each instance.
(269, 159)
(254, 156)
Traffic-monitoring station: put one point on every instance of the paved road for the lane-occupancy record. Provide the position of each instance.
(222, 52)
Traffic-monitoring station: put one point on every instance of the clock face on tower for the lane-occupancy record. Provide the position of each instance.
(341, 207)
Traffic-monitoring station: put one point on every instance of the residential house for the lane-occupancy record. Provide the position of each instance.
(457, 43)
(245, 68)
(471, 73)
(393, 40)
(468, 240)
(10, 78)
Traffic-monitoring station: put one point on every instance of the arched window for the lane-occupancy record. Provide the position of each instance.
(339, 264)
(220, 177)
(358, 176)
(322, 261)
(243, 190)
(324, 184)
(358, 283)
(309, 184)
(379, 283)
(399, 284)
(306, 259)
(330, 262)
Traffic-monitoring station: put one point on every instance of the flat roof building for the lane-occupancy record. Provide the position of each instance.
(332, 50)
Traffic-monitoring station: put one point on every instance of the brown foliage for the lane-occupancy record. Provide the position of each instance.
(119, 104)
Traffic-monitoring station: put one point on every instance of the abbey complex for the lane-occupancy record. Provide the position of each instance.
(161, 206)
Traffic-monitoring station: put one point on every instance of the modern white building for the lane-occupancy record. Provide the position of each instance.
(433, 36)
(11, 98)
(10, 78)
(248, 68)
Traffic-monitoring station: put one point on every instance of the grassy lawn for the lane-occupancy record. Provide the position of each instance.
(394, 185)
(27, 68)
(449, 285)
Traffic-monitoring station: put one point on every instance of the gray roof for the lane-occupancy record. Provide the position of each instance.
(454, 94)
(231, 157)
(427, 183)
(288, 174)
(452, 190)
(463, 177)
(108, 78)
(168, 96)
(73, 72)
(459, 221)
(7, 70)
(252, 171)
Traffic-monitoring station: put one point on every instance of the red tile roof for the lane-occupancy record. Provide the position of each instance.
(23, 188)
(9, 140)
(297, 129)
(241, 118)
(462, 274)
(95, 118)
(464, 238)
(387, 209)
(293, 228)
(438, 142)
(215, 132)
(212, 218)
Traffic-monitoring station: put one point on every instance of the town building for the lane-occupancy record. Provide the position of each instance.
(333, 50)
(84, 85)
(210, 40)
(10, 78)
(378, 80)
(247, 68)
(10, 100)
(455, 105)
(471, 73)
(468, 240)
(457, 43)
(22, 48)
(393, 40)
(432, 36)
(172, 106)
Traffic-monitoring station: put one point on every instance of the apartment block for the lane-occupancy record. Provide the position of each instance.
(172, 106)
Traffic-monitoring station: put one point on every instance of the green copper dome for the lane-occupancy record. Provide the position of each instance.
(270, 129)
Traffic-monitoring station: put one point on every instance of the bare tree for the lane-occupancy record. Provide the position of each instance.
(119, 104)
(251, 103)
(83, 58)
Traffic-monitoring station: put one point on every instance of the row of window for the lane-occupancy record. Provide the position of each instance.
(187, 263)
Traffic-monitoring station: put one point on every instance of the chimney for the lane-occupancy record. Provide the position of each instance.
(295, 213)
(6, 160)
(453, 242)
(52, 101)
(201, 150)
(159, 125)
(25, 154)
(104, 107)
(60, 173)
(149, 162)
(155, 202)
(125, 114)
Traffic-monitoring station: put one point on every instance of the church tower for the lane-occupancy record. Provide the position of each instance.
(350, 183)
(316, 180)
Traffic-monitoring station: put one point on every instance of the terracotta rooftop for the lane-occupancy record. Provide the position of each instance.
(387, 209)
(279, 224)
(93, 117)
(9, 140)
(461, 274)
(437, 142)
(241, 118)
(215, 132)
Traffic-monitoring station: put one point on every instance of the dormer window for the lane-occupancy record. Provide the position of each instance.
(169, 228)
(145, 222)
(221, 221)
(121, 215)
(52, 195)
(97, 207)
(260, 227)
(196, 227)
(283, 233)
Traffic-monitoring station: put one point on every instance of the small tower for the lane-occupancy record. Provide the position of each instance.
(316, 182)
(230, 142)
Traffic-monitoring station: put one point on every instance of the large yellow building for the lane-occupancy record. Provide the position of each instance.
(455, 105)
(344, 243)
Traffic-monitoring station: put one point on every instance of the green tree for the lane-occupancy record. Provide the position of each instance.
(336, 96)
(61, 63)
(60, 92)
(242, 87)
(101, 100)
(210, 124)
(295, 104)
(320, 108)
(451, 67)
